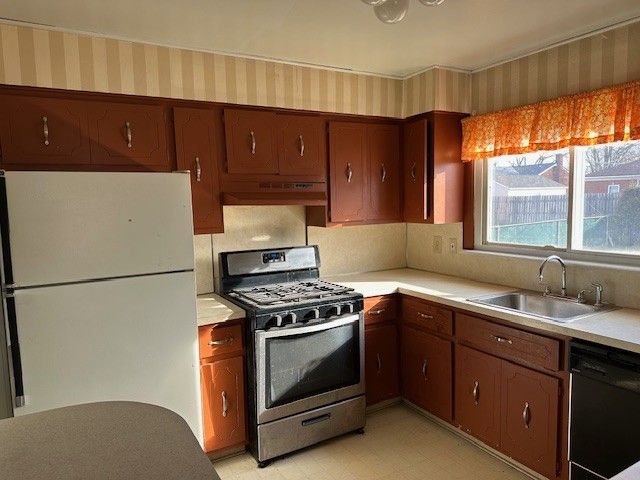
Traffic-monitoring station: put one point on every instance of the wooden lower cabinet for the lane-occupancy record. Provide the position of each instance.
(381, 364)
(477, 392)
(223, 403)
(426, 365)
(529, 433)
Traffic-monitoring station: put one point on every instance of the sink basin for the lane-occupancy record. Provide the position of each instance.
(532, 303)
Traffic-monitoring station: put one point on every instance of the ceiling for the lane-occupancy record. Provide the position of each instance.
(466, 34)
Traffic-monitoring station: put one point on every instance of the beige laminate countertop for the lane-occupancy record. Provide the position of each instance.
(213, 308)
(618, 328)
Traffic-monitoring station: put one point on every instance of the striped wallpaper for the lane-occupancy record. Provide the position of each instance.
(593, 62)
(437, 89)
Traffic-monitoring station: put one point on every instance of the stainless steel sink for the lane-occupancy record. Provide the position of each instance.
(532, 303)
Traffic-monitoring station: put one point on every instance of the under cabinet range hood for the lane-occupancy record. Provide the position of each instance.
(281, 192)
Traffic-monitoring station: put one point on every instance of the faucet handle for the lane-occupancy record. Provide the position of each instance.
(597, 289)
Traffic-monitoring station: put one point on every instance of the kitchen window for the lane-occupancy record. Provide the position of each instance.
(582, 200)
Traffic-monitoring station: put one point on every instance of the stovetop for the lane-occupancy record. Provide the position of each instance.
(287, 293)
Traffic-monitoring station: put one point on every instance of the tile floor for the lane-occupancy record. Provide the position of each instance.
(399, 443)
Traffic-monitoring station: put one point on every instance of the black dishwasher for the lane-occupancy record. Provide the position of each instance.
(605, 411)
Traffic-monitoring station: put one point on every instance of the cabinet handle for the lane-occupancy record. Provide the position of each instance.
(413, 172)
(425, 316)
(500, 339)
(225, 404)
(476, 392)
(198, 170)
(45, 130)
(384, 173)
(253, 142)
(379, 360)
(224, 341)
(377, 312)
(301, 145)
(424, 368)
(526, 415)
(129, 133)
(349, 172)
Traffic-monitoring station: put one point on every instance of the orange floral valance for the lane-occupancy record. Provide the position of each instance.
(601, 116)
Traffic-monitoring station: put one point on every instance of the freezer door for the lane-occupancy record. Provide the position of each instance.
(72, 226)
(125, 339)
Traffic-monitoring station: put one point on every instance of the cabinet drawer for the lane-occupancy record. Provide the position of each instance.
(219, 340)
(509, 342)
(437, 319)
(379, 310)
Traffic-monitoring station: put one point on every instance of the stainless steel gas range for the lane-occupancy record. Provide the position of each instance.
(305, 368)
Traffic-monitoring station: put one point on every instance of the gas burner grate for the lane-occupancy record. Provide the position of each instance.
(290, 292)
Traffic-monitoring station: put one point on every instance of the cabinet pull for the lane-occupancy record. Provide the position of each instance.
(198, 170)
(413, 172)
(377, 312)
(425, 316)
(301, 145)
(253, 142)
(224, 341)
(476, 392)
(384, 173)
(424, 368)
(379, 360)
(526, 415)
(349, 172)
(500, 339)
(129, 133)
(45, 130)
(225, 404)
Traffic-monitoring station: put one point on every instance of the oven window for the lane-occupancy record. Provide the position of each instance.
(301, 366)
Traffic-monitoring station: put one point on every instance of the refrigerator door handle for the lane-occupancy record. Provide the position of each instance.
(14, 352)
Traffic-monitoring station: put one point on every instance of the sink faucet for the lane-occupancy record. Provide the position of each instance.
(563, 291)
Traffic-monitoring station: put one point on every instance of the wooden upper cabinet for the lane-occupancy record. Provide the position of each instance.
(348, 171)
(43, 131)
(195, 151)
(477, 394)
(381, 364)
(301, 145)
(426, 365)
(530, 402)
(383, 148)
(251, 142)
(415, 172)
(129, 135)
(222, 390)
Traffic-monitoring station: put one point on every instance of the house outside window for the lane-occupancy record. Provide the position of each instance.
(582, 200)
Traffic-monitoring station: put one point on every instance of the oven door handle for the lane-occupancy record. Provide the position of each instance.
(291, 331)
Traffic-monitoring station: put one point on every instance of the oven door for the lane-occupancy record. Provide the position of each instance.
(305, 367)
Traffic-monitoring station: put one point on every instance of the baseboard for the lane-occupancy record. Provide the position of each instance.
(384, 404)
(227, 452)
(478, 443)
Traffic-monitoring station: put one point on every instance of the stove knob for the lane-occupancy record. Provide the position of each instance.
(316, 313)
(348, 307)
(334, 311)
(293, 317)
(277, 319)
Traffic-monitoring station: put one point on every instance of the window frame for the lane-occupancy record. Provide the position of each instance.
(481, 201)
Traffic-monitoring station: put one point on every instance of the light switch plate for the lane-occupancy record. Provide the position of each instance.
(437, 244)
(453, 245)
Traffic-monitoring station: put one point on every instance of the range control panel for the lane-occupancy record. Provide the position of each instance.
(273, 257)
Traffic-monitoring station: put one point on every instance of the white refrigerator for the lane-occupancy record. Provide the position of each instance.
(98, 291)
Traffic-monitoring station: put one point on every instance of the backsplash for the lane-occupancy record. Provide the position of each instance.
(518, 272)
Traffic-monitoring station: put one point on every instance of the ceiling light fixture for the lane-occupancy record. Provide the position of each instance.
(393, 11)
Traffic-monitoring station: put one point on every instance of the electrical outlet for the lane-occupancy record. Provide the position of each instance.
(437, 244)
(453, 245)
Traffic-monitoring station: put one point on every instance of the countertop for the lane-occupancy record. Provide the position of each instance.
(618, 328)
(213, 308)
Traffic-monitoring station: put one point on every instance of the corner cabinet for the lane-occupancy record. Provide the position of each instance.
(196, 154)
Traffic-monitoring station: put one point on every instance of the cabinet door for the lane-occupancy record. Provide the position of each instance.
(251, 144)
(415, 171)
(222, 384)
(381, 364)
(529, 431)
(477, 394)
(348, 169)
(426, 372)
(383, 152)
(195, 152)
(43, 131)
(301, 145)
(129, 135)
